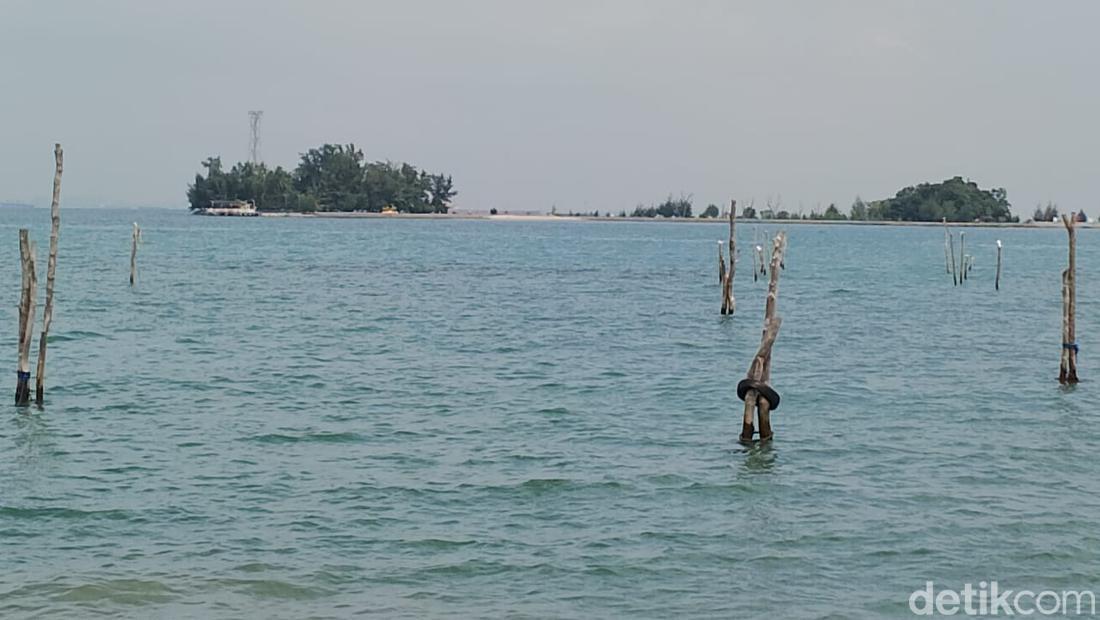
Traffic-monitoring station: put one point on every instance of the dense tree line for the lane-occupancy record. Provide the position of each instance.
(671, 207)
(328, 178)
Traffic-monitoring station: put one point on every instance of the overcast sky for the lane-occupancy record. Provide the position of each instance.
(583, 105)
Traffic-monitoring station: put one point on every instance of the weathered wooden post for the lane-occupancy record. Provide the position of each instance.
(26, 317)
(51, 270)
(997, 282)
(1067, 373)
(728, 303)
(136, 236)
(760, 399)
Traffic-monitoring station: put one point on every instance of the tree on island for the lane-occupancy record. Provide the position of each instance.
(679, 207)
(710, 211)
(956, 199)
(328, 178)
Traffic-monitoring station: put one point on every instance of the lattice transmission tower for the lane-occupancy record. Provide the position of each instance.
(254, 118)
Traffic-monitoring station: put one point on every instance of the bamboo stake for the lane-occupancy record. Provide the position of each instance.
(136, 237)
(1067, 373)
(759, 373)
(997, 283)
(51, 270)
(728, 302)
(26, 317)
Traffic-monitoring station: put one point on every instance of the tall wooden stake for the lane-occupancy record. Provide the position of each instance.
(135, 237)
(962, 256)
(997, 282)
(26, 317)
(1067, 373)
(51, 270)
(728, 303)
(760, 399)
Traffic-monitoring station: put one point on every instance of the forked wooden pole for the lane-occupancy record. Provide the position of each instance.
(51, 270)
(728, 302)
(997, 282)
(26, 318)
(760, 399)
(1067, 373)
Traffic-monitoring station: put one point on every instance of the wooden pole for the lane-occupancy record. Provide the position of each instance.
(760, 399)
(26, 317)
(136, 236)
(728, 303)
(51, 270)
(1067, 373)
(954, 276)
(997, 282)
(946, 238)
(721, 265)
(962, 256)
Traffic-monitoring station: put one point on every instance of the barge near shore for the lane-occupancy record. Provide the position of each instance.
(235, 208)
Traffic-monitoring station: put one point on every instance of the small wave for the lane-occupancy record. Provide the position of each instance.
(62, 513)
(437, 544)
(278, 438)
(75, 335)
(122, 591)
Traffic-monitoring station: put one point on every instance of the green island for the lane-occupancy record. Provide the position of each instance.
(330, 178)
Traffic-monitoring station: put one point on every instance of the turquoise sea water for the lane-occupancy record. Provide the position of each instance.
(319, 419)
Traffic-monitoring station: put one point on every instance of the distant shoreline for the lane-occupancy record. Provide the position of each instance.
(677, 220)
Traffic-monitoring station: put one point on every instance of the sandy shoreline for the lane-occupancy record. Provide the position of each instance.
(670, 220)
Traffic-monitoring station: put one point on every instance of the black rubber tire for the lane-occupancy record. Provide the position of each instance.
(761, 388)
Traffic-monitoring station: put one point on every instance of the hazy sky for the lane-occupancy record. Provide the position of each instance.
(584, 105)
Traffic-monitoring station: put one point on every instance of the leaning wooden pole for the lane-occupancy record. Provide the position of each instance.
(135, 238)
(760, 399)
(1067, 374)
(728, 302)
(51, 271)
(26, 317)
(997, 282)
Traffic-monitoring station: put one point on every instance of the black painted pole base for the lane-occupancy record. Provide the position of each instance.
(23, 392)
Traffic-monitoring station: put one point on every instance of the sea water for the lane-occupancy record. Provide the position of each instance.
(314, 418)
